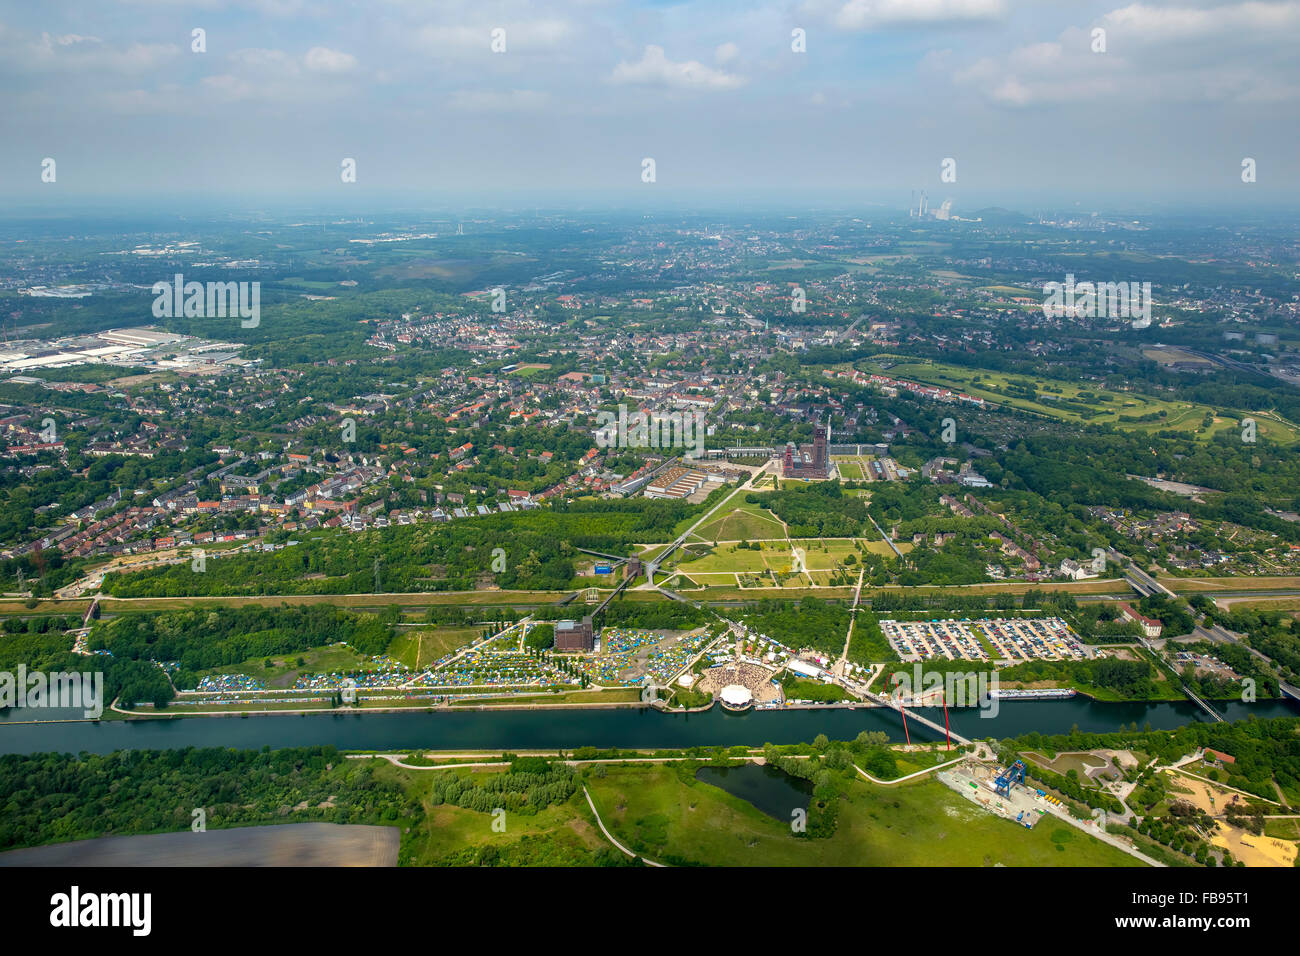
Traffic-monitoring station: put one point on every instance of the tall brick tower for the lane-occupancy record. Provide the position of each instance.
(821, 460)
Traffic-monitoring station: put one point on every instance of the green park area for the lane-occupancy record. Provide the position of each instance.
(746, 522)
(282, 670)
(417, 648)
(652, 810)
(662, 812)
(1087, 402)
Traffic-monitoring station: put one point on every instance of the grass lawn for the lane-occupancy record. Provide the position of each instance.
(563, 835)
(317, 660)
(1282, 829)
(802, 689)
(827, 554)
(417, 648)
(651, 810)
(746, 523)
(820, 554)
(1062, 400)
(730, 557)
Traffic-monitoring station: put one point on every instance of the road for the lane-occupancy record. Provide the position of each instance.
(839, 666)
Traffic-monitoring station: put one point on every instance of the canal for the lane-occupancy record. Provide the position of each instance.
(569, 728)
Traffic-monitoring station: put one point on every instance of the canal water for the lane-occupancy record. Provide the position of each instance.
(499, 730)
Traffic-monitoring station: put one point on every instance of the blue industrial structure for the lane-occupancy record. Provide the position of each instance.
(1013, 774)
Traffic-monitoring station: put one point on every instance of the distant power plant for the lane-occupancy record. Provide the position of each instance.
(920, 208)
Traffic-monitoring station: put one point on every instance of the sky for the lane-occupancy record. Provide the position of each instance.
(859, 101)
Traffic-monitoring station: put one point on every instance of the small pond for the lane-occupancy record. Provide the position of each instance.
(772, 791)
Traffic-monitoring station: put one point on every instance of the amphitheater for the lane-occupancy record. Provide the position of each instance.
(754, 678)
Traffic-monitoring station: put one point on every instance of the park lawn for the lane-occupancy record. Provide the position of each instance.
(1282, 829)
(910, 761)
(850, 470)
(776, 556)
(735, 496)
(745, 523)
(827, 554)
(417, 648)
(650, 552)
(316, 660)
(1078, 761)
(561, 835)
(781, 560)
(652, 811)
(1178, 415)
(882, 547)
(824, 577)
(680, 582)
(729, 557)
(803, 689)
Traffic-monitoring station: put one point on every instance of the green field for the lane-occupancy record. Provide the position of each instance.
(417, 648)
(564, 835)
(1062, 400)
(744, 523)
(652, 811)
(286, 669)
(714, 566)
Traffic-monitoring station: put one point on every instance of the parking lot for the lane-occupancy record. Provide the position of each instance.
(1042, 638)
(1011, 639)
(933, 640)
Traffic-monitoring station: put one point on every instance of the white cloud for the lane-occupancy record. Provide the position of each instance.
(1169, 23)
(866, 14)
(72, 52)
(726, 52)
(321, 59)
(1227, 53)
(529, 36)
(654, 68)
